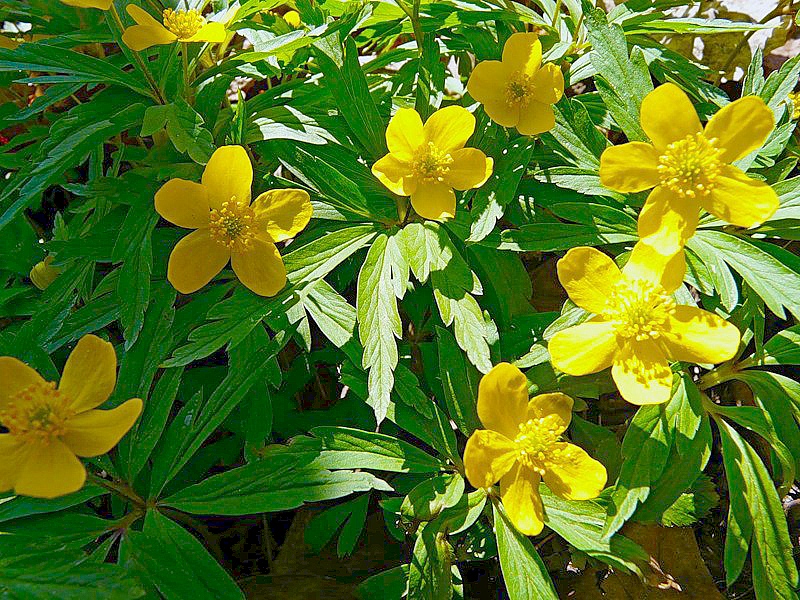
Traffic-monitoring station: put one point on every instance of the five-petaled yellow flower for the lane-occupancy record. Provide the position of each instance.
(178, 26)
(228, 228)
(519, 91)
(522, 445)
(427, 161)
(49, 427)
(637, 327)
(101, 4)
(689, 166)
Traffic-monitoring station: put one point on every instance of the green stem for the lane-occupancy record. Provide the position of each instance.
(413, 16)
(119, 488)
(719, 375)
(157, 95)
(186, 80)
(557, 13)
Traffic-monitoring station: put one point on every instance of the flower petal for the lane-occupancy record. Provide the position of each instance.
(14, 451)
(740, 200)
(449, 128)
(16, 376)
(649, 264)
(556, 405)
(741, 127)
(536, 118)
(142, 17)
(519, 490)
(667, 221)
(668, 115)
(50, 470)
(405, 134)
(260, 268)
(228, 174)
(503, 399)
(434, 201)
(698, 336)
(589, 277)
(212, 32)
(393, 173)
(642, 373)
(573, 474)
(501, 112)
(90, 373)
(548, 84)
(283, 213)
(184, 203)
(195, 260)
(586, 348)
(141, 37)
(97, 431)
(523, 51)
(486, 82)
(488, 456)
(470, 169)
(630, 167)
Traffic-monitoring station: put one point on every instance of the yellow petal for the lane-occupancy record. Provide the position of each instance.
(97, 431)
(283, 213)
(184, 203)
(698, 336)
(548, 84)
(8, 43)
(50, 470)
(649, 264)
(503, 399)
(487, 81)
(642, 373)
(523, 51)
(501, 112)
(142, 17)
(667, 221)
(668, 115)
(395, 174)
(573, 474)
(629, 167)
(292, 18)
(101, 4)
(141, 37)
(488, 456)
(536, 118)
(195, 260)
(470, 169)
(586, 348)
(14, 453)
(519, 490)
(228, 175)
(405, 134)
(434, 201)
(90, 373)
(16, 376)
(449, 128)
(740, 200)
(260, 268)
(212, 32)
(589, 277)
(556, 405)
(741, 127)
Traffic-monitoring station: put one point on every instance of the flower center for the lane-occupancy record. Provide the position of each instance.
(535, 442)
(430, 163)
(183, 23)
(232, 225)
(519, 89)
(639, 309)
(689, 167)
(38, 413)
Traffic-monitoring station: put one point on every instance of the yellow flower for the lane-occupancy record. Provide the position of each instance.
(794, 100)
(101, 4)
(179, 26)
(228, 228)
(292, 18)
(519, 91)
(49, 427)
(689, 166)
(8, 43)
(427, 161)
(522, 445)
(42, 274)
(637, 328)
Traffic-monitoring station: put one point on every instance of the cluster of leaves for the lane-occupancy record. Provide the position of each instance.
(359, 379)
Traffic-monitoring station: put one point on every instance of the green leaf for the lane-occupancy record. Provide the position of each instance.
(322, 527)
(335, 317)
(386, 585)
(781, 349)
(430, 575)
(428, 499)
(53, 580)
(14, 507)
(459, 381)
(184, 127)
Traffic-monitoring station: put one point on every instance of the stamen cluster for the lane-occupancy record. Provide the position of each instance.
(536, 440)
(38, 413)
(519, 89)
(689, 167)
(639, 309)
(232, 225)
(430, 163)
(183, 23)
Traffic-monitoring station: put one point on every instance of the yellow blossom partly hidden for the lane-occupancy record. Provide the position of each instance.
(43, 274)
(690, 167)
(7, 42)
(292, 18)
(428, 161)
(49, 426)
(228, 228)
(101, 4)
(519, 91)
(637, 328)
(794, 103)
(178, 26)
(522, 444)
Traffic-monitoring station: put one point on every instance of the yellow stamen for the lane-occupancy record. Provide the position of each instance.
(536, 442)
(519, 89)
(183, 23)
(232, 225)
(430, 163)
(639, 309)
(689, 167)
(38, 413)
